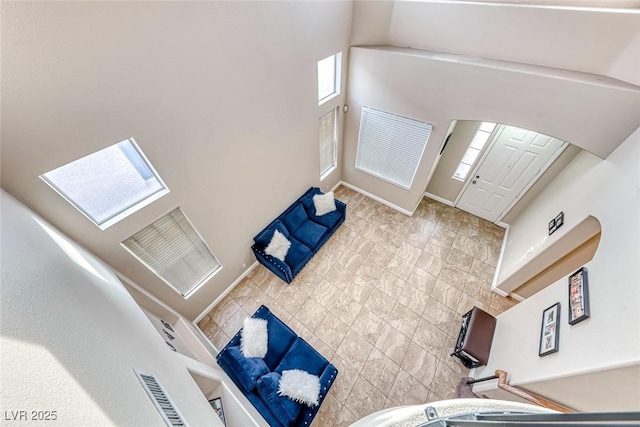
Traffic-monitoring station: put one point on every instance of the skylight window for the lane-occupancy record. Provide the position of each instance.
(329, 71)
(473, 151)
(110, 184)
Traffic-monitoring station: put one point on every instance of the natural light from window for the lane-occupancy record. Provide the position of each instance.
(328, 142)
(329, 71)
(473, 151)
(391, 146)
(110, 184)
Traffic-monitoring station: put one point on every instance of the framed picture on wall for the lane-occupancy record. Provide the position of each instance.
(578, 296)
(216, 404)
(550, 330)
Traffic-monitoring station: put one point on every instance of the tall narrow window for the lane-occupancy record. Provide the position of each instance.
(390, 146)
(328, 142)
(175, 252)
(473, 151)
(329, 72)
(110, 184)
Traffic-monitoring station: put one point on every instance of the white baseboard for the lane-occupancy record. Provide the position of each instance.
(225, 293)
(517, 297)
(494, 284)
(502, 224)
(438, 199)
(336, 186)
(376, 198)
(499, 292)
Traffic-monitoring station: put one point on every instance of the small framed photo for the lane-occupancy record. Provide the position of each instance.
(578, 296)
(550, 330)
(216, 404)
(559, 220)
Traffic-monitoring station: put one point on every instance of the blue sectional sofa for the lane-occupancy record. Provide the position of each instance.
(306, 231)
(259, 378)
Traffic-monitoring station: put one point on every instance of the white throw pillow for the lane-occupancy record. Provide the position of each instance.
(300, 386)
(254, 338)
(324, 203)
(278, 246)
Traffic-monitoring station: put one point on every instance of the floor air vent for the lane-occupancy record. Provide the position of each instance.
(161, 399)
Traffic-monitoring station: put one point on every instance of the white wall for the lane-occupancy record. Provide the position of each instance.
(71, 335)
(564, 36)
(438, 88)
(526, 240)
(370, 23)
(441, 183)
(556, 167)
(220, 96)
(610, 191)
(609, 390)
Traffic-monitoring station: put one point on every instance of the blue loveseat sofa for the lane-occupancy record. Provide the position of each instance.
(259, 378)
(306, 231)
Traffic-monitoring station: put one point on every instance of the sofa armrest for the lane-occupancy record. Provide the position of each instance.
(278, 267)
(327, 379)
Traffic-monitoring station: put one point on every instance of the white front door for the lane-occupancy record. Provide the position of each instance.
(516, 157)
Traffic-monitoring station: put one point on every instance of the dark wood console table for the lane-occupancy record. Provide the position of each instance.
(475, 338)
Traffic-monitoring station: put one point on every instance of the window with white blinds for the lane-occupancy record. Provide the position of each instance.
(328, 142)
(390, 146)
(173, 250)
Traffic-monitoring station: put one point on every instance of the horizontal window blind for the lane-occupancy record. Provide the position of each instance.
(327, 141)
(173, 250)
(390, 146)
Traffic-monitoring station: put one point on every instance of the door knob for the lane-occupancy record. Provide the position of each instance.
(477, 176)
(473, 182)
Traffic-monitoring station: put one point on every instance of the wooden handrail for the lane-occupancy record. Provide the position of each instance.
(533, 398)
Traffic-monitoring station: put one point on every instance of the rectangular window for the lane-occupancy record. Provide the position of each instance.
(473, 151)
(328, 142)
(390, 146)
(175, 252)
(329, 73)
(110, 184)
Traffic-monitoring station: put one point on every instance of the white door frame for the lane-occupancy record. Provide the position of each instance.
(530, 184)
(494, 138)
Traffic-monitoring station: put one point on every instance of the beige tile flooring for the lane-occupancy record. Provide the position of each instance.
(382, 300)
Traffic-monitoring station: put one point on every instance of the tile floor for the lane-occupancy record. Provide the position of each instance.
(382, 300)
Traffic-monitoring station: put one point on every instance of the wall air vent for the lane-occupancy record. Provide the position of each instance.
(161, 399)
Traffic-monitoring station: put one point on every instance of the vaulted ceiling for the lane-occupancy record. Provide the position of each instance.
(222, 98)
